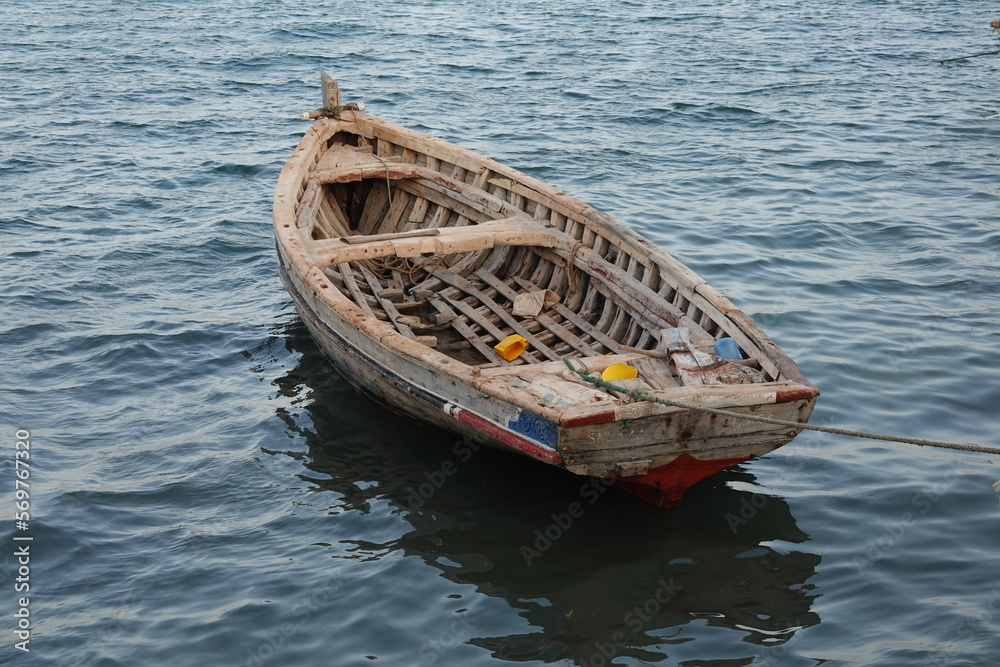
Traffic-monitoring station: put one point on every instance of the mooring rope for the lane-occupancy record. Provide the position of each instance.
(388, 183)
(570, 276)
(643, 395)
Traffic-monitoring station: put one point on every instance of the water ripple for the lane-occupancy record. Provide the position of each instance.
(206, 488)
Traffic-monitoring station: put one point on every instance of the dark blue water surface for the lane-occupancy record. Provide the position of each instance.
(206, 490)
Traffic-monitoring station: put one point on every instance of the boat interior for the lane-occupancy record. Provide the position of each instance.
(462, 258)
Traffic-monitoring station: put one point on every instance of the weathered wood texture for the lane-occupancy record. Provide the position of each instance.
(387, 233)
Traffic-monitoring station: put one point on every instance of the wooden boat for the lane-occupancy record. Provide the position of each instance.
(411, 260)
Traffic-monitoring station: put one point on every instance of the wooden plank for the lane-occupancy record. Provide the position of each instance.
(433, 196)
(305, 210)
(331, 91)
(447, 241)
(387, 305)
(679, 431)
(331, 205)
(347, 273)
(463, 284)
(588, 328)
(463, 267)
(627, 290)
(655, 372)
(447, 307)
(358, 238)
(546, 321)
(375, 208)
(481, 178)
(476, 317)
(441, 215)
(395, 212)
(419, 211)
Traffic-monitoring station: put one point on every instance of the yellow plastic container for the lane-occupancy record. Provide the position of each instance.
(511, 347)
(619, 372)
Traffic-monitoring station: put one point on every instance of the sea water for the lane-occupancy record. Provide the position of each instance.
(206, 490)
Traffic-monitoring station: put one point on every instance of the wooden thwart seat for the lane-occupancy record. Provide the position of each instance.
(437, 241)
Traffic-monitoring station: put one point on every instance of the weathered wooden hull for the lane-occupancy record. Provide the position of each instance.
(615, 288)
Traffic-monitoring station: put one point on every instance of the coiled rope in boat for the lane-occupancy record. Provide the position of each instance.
(643, 395)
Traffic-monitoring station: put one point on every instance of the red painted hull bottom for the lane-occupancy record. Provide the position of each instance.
(665, 486)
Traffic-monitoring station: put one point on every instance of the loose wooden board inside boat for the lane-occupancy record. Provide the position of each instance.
(405, 256)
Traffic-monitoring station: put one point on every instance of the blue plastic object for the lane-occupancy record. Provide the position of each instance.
(728, 349)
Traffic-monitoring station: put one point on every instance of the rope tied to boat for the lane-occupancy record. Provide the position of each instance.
(643, 395)
(570, 276)
(388, 183)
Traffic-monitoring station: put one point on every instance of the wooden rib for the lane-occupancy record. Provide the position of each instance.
(469, 210)
(332, 205)
(559, 330)
(619, 324)
(466, 331)
(463, 267)
(580, 323)
(481, 178)
(387, 306)
(543, 271)
(325, 228)
(608, 312)
(558, 281)
(347, 273)
(309, 201)
(527, 265)
(463, 284)
(440, 216)
(486, 325)
(635, 330)
(375, 207)
(419, 211)
(395, 212)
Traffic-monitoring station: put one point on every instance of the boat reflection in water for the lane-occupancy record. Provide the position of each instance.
(591, 569)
